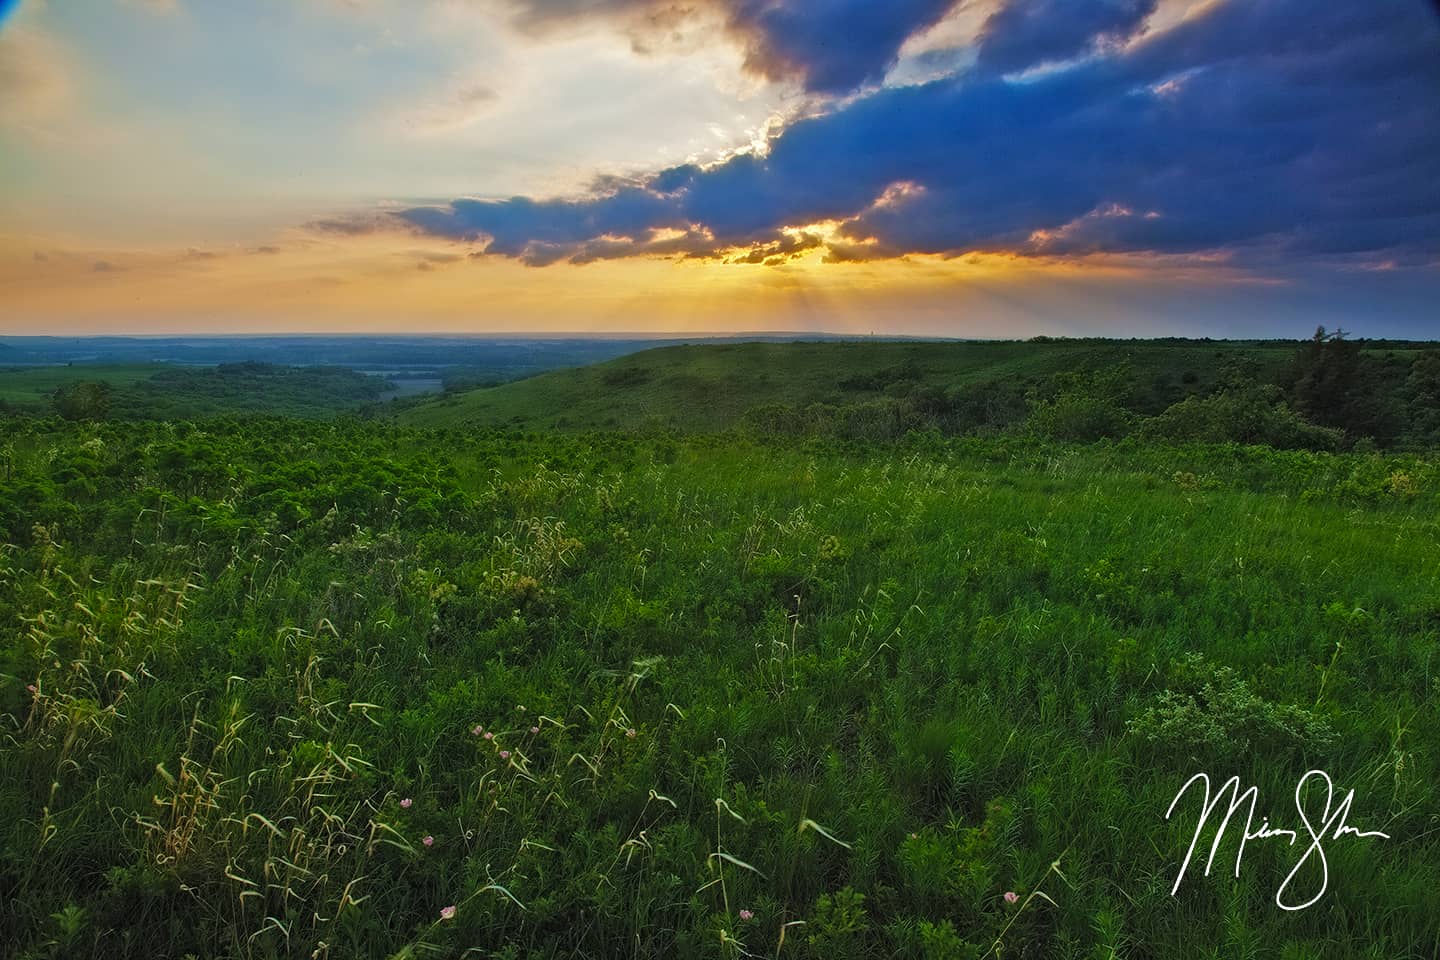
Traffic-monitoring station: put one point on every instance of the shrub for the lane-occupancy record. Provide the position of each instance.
(1256, 415)
(1212, 709)
(1081, 417)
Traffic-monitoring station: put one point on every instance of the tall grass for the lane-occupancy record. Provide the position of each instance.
(708, 697)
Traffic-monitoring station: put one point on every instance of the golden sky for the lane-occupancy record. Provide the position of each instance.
(177, 166)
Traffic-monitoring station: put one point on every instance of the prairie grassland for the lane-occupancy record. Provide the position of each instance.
(709, 387)
(336, 690)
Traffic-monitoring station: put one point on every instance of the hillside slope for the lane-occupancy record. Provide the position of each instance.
(711, 387)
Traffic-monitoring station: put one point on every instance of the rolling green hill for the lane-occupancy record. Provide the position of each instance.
(702, 388)
(1317, 394)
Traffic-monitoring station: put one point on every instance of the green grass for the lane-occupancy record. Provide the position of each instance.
(160, 391)
(704, 388)
(30, 388)
(871, 689)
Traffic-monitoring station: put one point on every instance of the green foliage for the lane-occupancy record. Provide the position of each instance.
(837, 926)
(913, 674)
(1081, 407)
(1076, 390)
(1211, 709)
(163, 391)
(83, 400)
(1078, 416)
(1333, 383)
(1255, 415)
(861, 390)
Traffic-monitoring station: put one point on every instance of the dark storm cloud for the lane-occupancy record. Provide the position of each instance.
(1294, 130)
(830, 46)
(515, 225)
(834, 45)
(1023, 33)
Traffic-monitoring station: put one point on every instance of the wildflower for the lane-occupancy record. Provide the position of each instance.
(429, 841)
(405, 804)
(914, 836)
(1011, 896)
(489, 735)
(630, 733)
(477, 729)
(447, 913)
(746, 915)
(534, 729)
(32, 688)
(504, 754)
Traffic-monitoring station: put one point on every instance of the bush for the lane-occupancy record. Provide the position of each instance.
(1083, 406)
(1253, 416)
(1078, 416)
(1210, 708)
(84, 400)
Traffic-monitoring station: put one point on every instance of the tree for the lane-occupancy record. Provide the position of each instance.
(83, 400)
(1334, 386)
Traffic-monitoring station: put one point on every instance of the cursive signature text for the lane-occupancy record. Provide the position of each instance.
(1329, 825)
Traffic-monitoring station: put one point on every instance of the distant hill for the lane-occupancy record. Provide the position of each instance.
(713, 386)
(161, 391)
(459, 358)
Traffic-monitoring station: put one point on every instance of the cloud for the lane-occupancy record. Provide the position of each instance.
(828, 46)
(35, 79)
(458, 110)
(349, 226)
(156, 6)
(787, 248)
(834, 46)
(427, 260)
(517, 225)
(1280, 127)
(1026, 33)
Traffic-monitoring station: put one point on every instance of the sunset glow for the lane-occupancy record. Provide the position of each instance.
(521, 165)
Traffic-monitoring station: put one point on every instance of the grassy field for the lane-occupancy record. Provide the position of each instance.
(30, 388)
(704, 388)
(163, 391)
(336, 690)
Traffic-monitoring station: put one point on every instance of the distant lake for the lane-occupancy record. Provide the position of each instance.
(407, 385)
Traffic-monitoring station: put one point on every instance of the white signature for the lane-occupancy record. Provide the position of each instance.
(1330, 826)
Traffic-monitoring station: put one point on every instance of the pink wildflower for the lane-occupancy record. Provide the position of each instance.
(630, 733)
(405, 804)
(504, 754)
(489, 735)
(534, 729)
(477, 729)
(32, 688)
(429, 841)
(1011, 896)
(447, 913)
(746, 915)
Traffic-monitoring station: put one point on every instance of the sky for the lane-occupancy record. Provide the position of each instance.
(958, 168)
